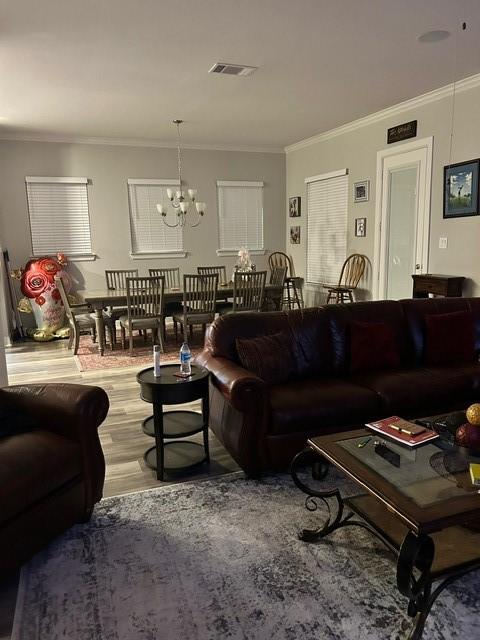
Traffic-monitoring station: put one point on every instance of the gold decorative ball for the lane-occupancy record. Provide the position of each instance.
(473, 414)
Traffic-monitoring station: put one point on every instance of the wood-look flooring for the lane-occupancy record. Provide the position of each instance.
(121, 435)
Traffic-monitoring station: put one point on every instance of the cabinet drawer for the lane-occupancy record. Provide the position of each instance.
(430, 286)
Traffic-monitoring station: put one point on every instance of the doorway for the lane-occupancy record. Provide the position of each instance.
(402, 217)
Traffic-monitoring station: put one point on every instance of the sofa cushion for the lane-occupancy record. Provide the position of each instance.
(269, 357)
(409, 392)
(32, 465)
(303, 405)
(372, 346)
(449, 338)
(13, 421)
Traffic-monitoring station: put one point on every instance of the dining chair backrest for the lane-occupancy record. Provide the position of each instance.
(221, 270)
(145, 296)
(171, 275)
(200, 293)
(280, 259)
(278, 275)
(117, 278)
(248, 290)
(64, 298)
(352, 270)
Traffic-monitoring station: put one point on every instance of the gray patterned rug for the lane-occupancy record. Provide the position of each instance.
(220, 559)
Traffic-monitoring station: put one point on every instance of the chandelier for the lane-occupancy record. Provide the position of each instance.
(181, 203)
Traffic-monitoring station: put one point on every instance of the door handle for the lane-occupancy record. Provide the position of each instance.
(418, 266)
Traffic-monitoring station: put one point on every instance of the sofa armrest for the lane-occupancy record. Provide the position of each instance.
(70, 410)
(243, 389)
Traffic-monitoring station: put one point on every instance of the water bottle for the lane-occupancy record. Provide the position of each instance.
(156, 361)
(185, 357)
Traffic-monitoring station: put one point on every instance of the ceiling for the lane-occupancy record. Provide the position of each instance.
(123, 69)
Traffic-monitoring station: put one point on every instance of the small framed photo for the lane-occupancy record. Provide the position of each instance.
(360, 227)
(361, 191)
(460, 189)
(294, 235)
(294, 206)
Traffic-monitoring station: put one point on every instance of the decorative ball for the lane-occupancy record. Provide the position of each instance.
(473, 414)
(468, 435)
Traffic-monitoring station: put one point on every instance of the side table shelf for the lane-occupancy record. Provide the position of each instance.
(169, 453)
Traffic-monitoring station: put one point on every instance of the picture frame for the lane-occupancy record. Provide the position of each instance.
(461, 189)
(295, 235)
(361, 191)
(294, 207)
(360, 227)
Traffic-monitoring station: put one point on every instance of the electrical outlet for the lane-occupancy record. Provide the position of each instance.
(442, 243)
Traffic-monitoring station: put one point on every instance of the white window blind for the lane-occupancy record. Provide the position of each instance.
(240, 212)
(326, 228)
(149, 234)
(59, 219)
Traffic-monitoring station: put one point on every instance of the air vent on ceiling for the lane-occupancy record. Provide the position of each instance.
(232, 69)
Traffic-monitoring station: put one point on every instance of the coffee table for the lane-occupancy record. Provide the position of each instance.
(420, 503)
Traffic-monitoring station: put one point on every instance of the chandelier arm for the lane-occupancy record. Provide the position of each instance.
(167, 224)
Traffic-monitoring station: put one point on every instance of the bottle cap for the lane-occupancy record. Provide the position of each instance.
(156, 347)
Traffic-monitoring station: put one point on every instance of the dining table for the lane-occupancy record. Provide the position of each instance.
(101, 299)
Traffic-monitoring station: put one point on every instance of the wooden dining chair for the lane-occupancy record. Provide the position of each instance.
(117, 281)
(80, 320)
(248, 291)
(199, 302)
(292, 288)
(352, 271)
(222, 302)
(172, 282)
(277, 279)
(144, 309)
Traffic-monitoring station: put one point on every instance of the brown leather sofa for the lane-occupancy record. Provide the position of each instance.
(52, 467)
(264, 425)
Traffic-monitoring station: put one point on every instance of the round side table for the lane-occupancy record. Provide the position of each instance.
(170, 454)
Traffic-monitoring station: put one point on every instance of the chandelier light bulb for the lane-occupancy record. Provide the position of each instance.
(160, 209)
(184, 207)
(170, 194)
(192, 194)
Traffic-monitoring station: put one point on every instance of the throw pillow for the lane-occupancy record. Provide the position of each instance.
(269, 357)
(449, 338)
(372, 346)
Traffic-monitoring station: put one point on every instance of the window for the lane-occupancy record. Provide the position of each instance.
(149, 235)
(59, 219)
(240, 213)
(327, 198)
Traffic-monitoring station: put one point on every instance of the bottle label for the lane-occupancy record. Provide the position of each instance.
(185, 357)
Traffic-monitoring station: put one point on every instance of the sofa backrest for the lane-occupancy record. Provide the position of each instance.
(308, 329)
(341, 315)
(415, 311)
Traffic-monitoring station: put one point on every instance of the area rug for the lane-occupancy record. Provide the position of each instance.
(220, 559)
(89, 359)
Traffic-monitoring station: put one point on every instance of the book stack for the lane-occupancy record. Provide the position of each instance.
(403, 431)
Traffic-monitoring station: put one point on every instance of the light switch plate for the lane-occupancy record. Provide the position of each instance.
(442, 243)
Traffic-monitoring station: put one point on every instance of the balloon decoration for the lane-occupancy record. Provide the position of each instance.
(37, 282)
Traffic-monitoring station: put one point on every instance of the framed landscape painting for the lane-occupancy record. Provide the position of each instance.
(460, 189)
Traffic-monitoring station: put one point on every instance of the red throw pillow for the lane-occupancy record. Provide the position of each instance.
(449, 338)
(372, 346)
(269, 357)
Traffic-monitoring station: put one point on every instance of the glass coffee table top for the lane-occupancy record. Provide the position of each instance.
(428, 474)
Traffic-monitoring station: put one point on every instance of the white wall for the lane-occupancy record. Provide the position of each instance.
(109, 167)
(357, 150)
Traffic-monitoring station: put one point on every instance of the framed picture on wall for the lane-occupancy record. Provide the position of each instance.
(360, 227)
(294, 206)
(460, 189)
(361, 191)
(294, 235)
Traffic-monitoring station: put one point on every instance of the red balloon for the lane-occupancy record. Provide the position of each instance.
(468, 435)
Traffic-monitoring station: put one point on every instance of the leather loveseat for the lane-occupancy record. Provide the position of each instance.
(263, 425)
(52, 467)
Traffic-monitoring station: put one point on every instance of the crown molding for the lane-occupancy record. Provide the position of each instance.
(133, 142)
(426, 98)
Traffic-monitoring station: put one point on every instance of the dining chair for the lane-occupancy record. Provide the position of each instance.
(277, 279)
(80, 320)
(199, 302)
(144, 309)
(248, 291)
(292, 289)
(222, 303)
(117, 280)
(352, 271)
(172, 282)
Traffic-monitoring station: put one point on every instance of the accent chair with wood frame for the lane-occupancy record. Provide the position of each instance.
(352, 272)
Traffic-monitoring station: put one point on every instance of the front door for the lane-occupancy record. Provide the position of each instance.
(403, 214)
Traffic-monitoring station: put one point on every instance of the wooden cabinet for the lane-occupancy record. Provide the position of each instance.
(439, 285)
